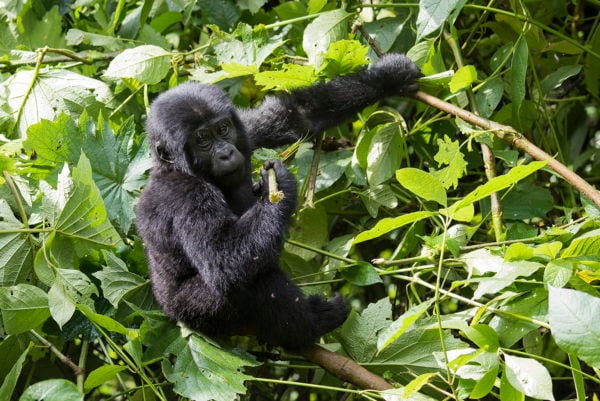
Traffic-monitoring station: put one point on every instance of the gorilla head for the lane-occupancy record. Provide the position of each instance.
(195, 129)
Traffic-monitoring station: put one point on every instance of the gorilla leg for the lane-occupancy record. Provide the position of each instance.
(285, 316)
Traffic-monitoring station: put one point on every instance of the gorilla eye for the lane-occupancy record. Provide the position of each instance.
(224, 127)
(203, 138)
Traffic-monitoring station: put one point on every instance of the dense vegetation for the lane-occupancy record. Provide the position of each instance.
(473, 270)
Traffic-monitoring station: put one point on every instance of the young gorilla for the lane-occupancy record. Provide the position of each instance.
(212, 243)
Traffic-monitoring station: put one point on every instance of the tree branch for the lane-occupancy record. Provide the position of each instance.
(345, 369)
(516, 139)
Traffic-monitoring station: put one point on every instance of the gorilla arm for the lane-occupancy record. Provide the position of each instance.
(309, 111)
(229, 250)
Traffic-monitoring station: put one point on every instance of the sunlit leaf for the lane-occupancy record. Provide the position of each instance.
(422, 184)
(463, 78)
(386, 225)
(52, 93)
(16, 253)
(529, 377)
(148, 64)
(327, 28)
(432, 14)
(52, 390)
(449, 154)
(574, 323)
(23, 307)
(289, 77)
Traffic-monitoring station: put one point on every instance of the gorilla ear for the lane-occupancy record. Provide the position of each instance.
(163, 154)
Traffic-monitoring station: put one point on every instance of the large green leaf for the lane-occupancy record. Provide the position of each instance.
(432, 14)
(529, 377)
(83, 217)
(52, 390)
(422, 184)
(70, 287)
(54, 92)
(575, 324)
(16, 252)
(118, 163)
(246, 46)
(401, 325)
(148, 64)
(204, 372)
(359, 332)
(24, 307)
(385, 154)
(328, 28)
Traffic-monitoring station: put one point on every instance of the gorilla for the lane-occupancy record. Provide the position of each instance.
(212, 239)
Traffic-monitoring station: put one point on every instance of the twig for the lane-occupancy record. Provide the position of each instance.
(345, 369)
(516, 139)
(63, 358)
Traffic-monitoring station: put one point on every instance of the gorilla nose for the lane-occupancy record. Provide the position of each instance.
(225, 154)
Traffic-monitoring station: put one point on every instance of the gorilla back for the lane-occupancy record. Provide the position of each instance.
(212, 239)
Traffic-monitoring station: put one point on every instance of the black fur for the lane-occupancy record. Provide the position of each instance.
(213, 244)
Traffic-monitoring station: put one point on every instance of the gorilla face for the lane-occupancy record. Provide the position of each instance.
(212, 152)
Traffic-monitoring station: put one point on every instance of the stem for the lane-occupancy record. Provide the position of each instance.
(62, 357)
(516, 139)
(85, 344)
(489, 162)
(312, 177)
(275, 195)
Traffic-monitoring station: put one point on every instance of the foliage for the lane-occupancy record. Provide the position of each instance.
(460, 301)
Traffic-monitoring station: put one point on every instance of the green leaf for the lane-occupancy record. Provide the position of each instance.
(361, 274)
(327, 28)
(375, 197)
(203, 371)
(221, 13)
(70, 287)
(16, 252)
(555, 78)
(83, 220)
(253, 48)
(401, 325)
(344, 57)
(52, 390)
(575, 325)
(148, 64)
(432, 14)
(119, 164)
(101, 375)
(558, 273)
(10, 380)
(77, 37)
(422, 184)
(463, 78)
(359, 331)
(54, 92)
(489, 96)
(519, 78)
(532, 304)
(314, 6)
(507, 391)
(483, 336)
(498, 183)
(586, 245)
(529, 377)
(116, 281)
(102, 320)
(24, 307)
(386, 225)
(507, 274)
(385, 154)
(291, 76)
(449, 154)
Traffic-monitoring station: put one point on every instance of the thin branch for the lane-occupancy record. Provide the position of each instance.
(516, 139)
(345, 369)
(63, 358)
